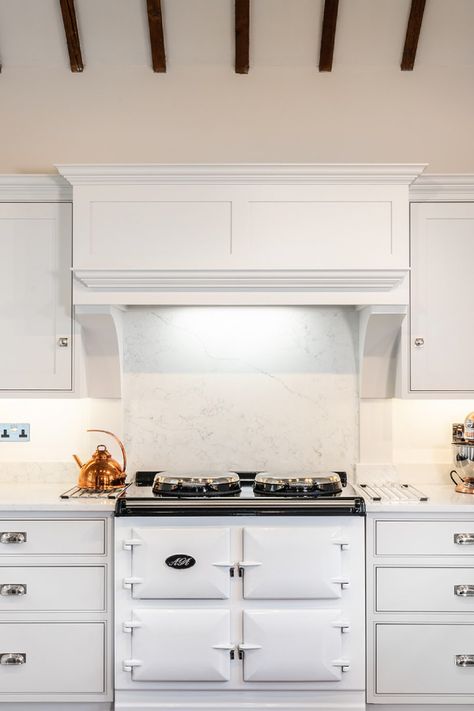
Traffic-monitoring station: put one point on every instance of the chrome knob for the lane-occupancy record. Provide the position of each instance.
(13, 537)
(13, 658)
(464, 590)
(464, 539)
(63, 342)
(419, 342)
(464, 660)
(9, 590)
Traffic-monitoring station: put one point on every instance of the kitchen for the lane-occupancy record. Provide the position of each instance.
(258, 275)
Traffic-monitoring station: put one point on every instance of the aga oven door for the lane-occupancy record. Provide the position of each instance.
(180, 645)
(283, 562)
(292, 645)
(181, 562)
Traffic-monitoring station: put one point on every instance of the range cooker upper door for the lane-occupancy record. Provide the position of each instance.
(180, 645)
(180, 563)
(284, 562)
(292, 645)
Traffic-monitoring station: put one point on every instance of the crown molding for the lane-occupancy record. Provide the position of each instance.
(34, 188)
(271, 280)
(445, 187)
(245, 173)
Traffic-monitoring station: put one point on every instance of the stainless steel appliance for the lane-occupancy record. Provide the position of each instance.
(239, 588)
(463, 457)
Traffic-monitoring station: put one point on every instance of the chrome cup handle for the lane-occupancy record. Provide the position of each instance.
(13, 658)
(464, 660)
(12, 589)
(13, 537)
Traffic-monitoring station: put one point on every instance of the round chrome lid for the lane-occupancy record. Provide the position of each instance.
(301, 482)
(199, 483)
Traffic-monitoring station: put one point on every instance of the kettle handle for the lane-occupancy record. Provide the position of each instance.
(124, 456)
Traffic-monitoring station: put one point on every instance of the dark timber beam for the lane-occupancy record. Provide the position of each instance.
(72, 35)
(242, 34)
(328, 35)
(413, 33)
(157, 40)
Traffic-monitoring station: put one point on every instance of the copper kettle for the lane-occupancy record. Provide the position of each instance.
(102, 472)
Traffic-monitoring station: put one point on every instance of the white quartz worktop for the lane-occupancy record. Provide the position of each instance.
(25, 496)
(442, 498)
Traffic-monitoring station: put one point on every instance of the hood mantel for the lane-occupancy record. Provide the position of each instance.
(241, 233)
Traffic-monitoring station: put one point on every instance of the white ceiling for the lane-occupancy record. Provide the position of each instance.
(114, 33)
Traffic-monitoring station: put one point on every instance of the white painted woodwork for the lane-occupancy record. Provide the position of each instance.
(35, 296)
(420, 659)
(61, 658)
(292, 645)
(379, 340)
(102, 340)
(54, 537)
(301, 563)
(412, 589)
(442, 260)
(181, 645)
(429, 538)
(208, 578)
(54, 588)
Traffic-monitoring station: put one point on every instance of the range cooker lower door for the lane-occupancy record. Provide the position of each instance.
(292, 645)
(303, 562)
(180, 562)
(180, 645)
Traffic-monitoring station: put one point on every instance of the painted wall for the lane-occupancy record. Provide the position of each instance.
(118, 110)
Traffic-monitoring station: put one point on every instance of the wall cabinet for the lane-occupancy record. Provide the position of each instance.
(420, 610)
(55, 610)
(35, 296)
(442, 264)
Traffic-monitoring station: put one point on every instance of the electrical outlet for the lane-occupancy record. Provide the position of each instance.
(19, 432)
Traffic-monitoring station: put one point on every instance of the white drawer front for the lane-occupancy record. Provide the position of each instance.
(425, 538)
(52, 537)
(51, 588)
(421, 659)
(292, 563)
(181, 645)
(60, 658)
(292, 645)
(181, 562)
(425, 589)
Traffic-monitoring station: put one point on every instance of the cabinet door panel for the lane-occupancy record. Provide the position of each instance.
(292, 563)
(181, 645)
(156, 563)
(424, 589)
(442, 261)
(292, 645)
(421, 659)
(35, 296)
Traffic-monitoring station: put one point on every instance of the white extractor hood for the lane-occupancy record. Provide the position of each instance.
(241, 234)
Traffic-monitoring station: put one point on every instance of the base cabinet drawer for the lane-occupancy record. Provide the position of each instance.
(55, 537)
(59, 658)
(413, 589)
(44, 588)
(435, 538)
(425, 659)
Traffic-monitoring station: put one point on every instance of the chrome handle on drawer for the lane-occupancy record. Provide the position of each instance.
(464, 660)
(13, 658)
(464, 590)
(9, 589)
(464, 539)
(13, 537)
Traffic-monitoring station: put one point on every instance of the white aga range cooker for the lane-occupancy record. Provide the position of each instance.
(239, 592)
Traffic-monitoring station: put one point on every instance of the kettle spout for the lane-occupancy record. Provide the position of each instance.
(77, 460)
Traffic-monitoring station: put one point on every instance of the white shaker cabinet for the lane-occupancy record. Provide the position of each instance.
(35, 296)
(442, 265)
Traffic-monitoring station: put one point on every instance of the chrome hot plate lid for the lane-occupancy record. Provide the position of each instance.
(196, 484)
(300, 483)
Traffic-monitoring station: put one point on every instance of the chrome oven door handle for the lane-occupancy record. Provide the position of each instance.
(13, 537)
(464, 590)
(464, 539)
(464, 660)
(13, 658)
(12, 589)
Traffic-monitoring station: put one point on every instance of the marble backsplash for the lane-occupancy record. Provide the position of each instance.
(241, 387)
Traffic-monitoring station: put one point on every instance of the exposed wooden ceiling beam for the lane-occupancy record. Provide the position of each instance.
(157, 40)
(72, 35)
(328, 35)
(413, 33)
(242, 35)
